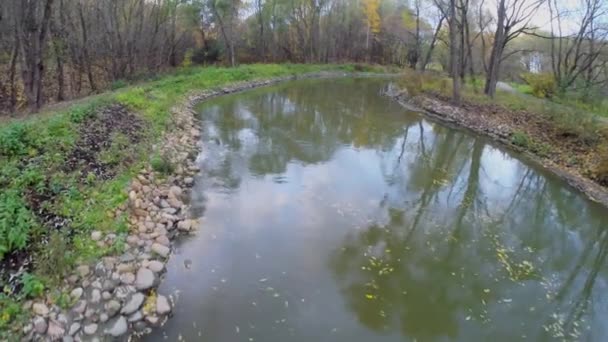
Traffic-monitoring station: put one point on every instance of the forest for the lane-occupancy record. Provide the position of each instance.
(55, 50)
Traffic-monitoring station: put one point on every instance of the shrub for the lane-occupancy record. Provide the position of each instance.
(208, 54)
(14, 140)
(520, 139)
(161, 163)
(118, 84)
(601, 172)
(32, 285)
(55, 258)
(16, 221)
(543, 85)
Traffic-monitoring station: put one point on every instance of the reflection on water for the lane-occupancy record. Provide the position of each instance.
(330, 214)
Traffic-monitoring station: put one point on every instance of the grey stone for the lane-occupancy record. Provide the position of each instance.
(67, 339)
(63, 319)
(127, 278)
(40, 309)
(136, 316)
(176, 191)
(160, 249)
(40, 325)
(140, 326)
(74, 328)
(90, 329)
(118, 327)
(55, 330)
(133, 303)
(108, 285)
(125, 267)
(185, 225)
(83, 270)
(95, 296)
(127, 257)
(96, 235)
(76, 293)
(156, 266)
(153, 320)
(80, 306)
(189, 181)
(163, 240)
(145, 279)
(112, 307)
(162, 305)
(106, 295)
(104, 317)
(122, 292)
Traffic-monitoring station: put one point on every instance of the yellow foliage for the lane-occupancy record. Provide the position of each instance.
(370, 9)
(408, 20)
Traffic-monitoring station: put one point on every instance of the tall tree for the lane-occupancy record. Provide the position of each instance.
(512, 18)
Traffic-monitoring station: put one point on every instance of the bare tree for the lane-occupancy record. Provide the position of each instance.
(512, 19)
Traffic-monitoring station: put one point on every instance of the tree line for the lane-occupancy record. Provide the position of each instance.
(53, 50)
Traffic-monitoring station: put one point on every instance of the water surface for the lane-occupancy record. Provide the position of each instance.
(331, 214)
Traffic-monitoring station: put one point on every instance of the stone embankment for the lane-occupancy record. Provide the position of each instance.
(116, 297)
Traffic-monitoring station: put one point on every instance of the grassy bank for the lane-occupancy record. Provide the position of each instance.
(64, 174)
(570, 136)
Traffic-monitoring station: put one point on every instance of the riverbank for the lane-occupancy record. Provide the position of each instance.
(94, 197)
(573, 146)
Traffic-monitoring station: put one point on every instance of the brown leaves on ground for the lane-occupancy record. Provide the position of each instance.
(548, 140)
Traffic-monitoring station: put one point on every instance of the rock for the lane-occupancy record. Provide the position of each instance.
(160, 249)
(176, 191)
(55, 330)
(67, 339)
(162, 305)
(156, 266)
(95, 296)
(140, 326)
(127, 278)
(103, 317)
(163, 240)
(74, 328)
(132, 240)
(76, 293)
(80, 306)
(63, 319)
(40, 325)
(153, 320)
(133, 303)
(106, 295)
(27, 328)
(145, 279)
(112, 307)
(118, 327)
(123, 292)
(90, 329)
(185, 225)
(136, 316)
(174, 203)
(125, 267)
(96, 235)
(83, 270)
(40, 309)
(189, 181)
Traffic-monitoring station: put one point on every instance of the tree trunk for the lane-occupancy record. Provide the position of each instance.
(429, 53)
(85, 50)
(454, 54)
(496, 54)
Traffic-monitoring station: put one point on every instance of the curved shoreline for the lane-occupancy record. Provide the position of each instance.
(116, 297)
(451, 115)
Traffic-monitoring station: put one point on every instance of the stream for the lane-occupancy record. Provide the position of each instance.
(330, 213)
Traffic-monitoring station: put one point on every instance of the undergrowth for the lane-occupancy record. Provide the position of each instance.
(33, 154)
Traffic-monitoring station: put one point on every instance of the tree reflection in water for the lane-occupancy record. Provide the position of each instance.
(456, 255)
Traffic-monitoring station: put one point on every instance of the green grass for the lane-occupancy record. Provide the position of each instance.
(33, 152)
(566, 117)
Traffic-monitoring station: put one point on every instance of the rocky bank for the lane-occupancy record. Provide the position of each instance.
(116, 297)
